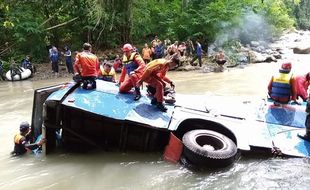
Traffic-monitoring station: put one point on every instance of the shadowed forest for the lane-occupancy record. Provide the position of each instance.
(30, 27)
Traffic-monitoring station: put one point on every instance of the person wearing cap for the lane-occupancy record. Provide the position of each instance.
(281, 87)
(87, 66)
(133, 66)
(107, 72)
(155, 75)
(302, 84)
(22, 140)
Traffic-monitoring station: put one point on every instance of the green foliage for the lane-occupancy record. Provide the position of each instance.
(301, 10)
(28, 27)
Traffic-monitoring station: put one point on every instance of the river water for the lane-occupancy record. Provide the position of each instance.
(115, 170)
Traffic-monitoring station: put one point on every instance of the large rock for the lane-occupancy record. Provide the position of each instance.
(256, 57)
(299, 50)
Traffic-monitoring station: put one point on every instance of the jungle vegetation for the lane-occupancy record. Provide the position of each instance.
(30, 26)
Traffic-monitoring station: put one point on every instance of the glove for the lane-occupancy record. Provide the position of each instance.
(172, 85)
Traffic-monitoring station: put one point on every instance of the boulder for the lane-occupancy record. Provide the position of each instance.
(254, 43)
(277, 56)
(299, 50)
(256, 57)
(270, 58)
(187, 68)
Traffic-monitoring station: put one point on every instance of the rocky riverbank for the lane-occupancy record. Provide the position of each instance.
(238, 55)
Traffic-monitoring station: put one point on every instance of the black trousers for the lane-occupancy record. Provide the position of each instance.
(55, 67)
(89, 82)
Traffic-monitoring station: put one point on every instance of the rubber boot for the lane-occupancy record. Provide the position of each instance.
(161, 107)
(138, 94)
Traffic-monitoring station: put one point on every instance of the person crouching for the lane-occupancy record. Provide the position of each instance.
(87, 66)
(107, 72)
(133, 66)
(282, 87)
(155, 75)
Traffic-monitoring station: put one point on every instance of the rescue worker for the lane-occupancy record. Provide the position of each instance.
(87, 66)
(133, 66)
(282, 86)
(306, 135)
(155, 75)
(22, 140)
(302, 84)
(107, 72)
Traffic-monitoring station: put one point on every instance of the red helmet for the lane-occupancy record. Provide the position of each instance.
(127, 47)
(286, 66)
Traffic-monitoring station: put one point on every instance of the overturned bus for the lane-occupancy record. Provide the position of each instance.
(203, 130)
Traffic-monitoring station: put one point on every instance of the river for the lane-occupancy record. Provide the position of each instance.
(115, 170)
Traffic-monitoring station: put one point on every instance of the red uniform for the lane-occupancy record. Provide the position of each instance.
(86, 64)
(133, 67)
(155, 76)
(302, 85)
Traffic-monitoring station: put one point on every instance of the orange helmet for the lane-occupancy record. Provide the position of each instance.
(127, 47)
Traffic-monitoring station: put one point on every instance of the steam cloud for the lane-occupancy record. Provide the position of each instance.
(252, 27)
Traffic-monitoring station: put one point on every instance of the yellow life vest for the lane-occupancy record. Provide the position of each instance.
(107, 76)
(126, 60)
(281, 87)
(283, 78)
(129, 64)
(17, 138)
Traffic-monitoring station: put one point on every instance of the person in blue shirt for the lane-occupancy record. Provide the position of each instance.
(68, 59)
(26, 64)
(159, 50)
(54, 57)
(198, 54)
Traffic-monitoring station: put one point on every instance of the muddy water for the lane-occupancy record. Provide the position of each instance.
(106, 170)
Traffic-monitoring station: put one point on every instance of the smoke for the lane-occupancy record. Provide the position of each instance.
(251, 27)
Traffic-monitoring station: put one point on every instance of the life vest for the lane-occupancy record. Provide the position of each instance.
(19, 148)
(107, 76)
(129, 64)
(281, 86)
(17, 138)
